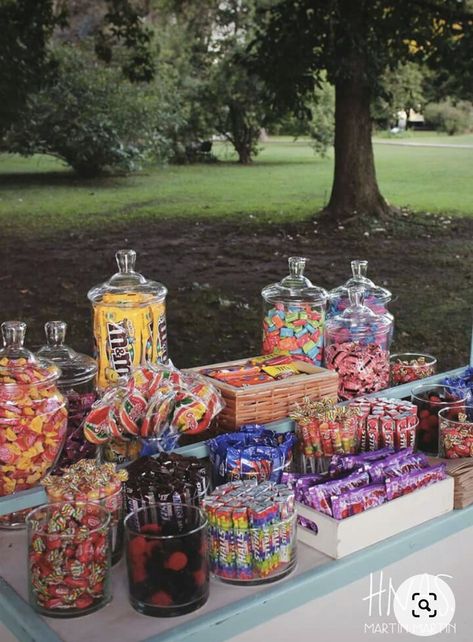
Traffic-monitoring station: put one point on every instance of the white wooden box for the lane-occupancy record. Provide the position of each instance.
(338, 538)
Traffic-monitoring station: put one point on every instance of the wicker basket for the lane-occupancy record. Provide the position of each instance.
(273, 400)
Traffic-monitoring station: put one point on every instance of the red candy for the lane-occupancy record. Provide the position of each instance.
(67, 570)
(176, 562)
(362, 369)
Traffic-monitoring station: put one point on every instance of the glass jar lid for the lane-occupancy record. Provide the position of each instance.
(295, 286)
(359, 270)
(134, 287)
(76, 368)
(358, 319)
(18, 365)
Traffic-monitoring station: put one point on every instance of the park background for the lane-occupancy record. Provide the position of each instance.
(107, 112)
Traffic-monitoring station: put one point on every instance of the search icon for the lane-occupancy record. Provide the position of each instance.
(424, 605)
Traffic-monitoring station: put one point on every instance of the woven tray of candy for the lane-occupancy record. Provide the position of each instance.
(268, 400)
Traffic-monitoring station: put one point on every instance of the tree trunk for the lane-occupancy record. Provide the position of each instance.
(355, 191)
(244, 154)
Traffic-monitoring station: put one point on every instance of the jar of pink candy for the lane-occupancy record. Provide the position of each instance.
(357, 347)
(294, 315)
(77, 383)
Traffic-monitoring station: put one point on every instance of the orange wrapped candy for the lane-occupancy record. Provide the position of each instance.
(33, 415)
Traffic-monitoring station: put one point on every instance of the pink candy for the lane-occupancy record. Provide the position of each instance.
(362, 369)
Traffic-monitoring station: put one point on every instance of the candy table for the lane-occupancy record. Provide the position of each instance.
(320, 593)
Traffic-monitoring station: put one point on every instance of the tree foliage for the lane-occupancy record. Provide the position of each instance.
(25, 64)
(90, 117)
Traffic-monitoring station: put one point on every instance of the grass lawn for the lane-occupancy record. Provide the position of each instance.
(286, 182)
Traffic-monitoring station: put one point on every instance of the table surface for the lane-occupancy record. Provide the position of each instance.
(230, 610)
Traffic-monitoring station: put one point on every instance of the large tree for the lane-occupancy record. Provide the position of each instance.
(354, 41)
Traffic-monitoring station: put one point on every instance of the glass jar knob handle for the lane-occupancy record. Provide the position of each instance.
(296, 265)
(13, 334)
(359, 268)
(55, 332)
(356, 295)
(126, 260)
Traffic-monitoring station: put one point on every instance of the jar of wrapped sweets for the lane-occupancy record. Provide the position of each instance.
(294, 315)
(33, 417)
(357, 347)
(129, 319)
(77, 383)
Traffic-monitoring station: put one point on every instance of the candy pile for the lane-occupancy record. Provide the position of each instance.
(324, 429)
(410, 369)
(252, 453)
(296, 329)
(456, 436)
(169, 477)
(255, 371)
(252, 530)
(86, 481)
(156, 401)
(385, 422)
(33, 421)
(167, 558)
(76, 447)
(372, 479)
(69, 558)
(362, 367)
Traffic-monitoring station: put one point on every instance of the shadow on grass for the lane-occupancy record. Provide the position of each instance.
(61, 178)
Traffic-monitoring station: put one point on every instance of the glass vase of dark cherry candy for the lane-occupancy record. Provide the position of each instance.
(167, 559)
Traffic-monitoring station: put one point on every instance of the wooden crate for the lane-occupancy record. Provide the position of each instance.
(338, 538)
(273, 400)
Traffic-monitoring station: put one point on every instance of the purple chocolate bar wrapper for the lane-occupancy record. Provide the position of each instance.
(396, 486)
(345, 463)
(320, 496)
(396, 465)
(369, 497)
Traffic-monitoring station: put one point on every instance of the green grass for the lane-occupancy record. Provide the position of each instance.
(286, 182)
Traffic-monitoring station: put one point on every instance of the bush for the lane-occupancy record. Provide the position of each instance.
(90, 117)
(449, 117)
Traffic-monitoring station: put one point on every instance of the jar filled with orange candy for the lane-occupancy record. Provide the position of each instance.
(33, 417)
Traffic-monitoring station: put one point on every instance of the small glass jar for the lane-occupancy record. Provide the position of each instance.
(357, 348)
(410, 366)
(77, 383)
(87, 481)
(167, 559)
(69, 559)
(253, 555)
(430, 399)
(33, 417)
(376, 297)
(456, 432)
(129, 321)
(294, 315)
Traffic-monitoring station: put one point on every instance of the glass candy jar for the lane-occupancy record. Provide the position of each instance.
(294, 315)
(33, 417)
(357, 347)
(376, 297)
(129, 321)
(77, 383)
